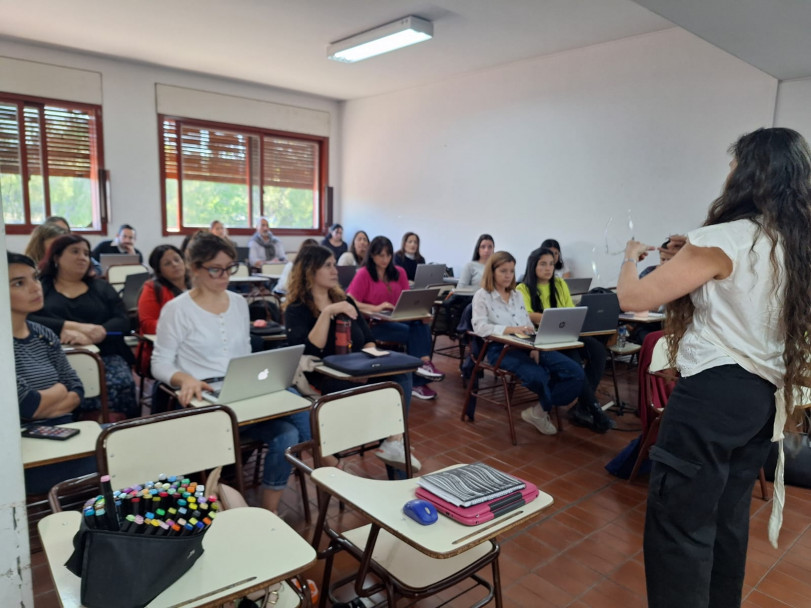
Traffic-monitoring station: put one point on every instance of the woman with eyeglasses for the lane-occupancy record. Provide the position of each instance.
(83, 310)
(198, 334)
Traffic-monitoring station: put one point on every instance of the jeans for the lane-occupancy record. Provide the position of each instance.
(556, 379)
(416, 335)
(279, 434)
(713, 440)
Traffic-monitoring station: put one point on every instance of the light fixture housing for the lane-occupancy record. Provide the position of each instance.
(390, 37)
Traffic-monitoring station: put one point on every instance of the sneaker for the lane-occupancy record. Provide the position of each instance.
(578, 417)
(542, 423)
(429, 370)
(423, 392)
(393, 453)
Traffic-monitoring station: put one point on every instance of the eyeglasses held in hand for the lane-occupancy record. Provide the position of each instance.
(215, 272)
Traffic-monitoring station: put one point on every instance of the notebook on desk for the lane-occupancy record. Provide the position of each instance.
(428, 275)
(560, 328)
(603, 314)
(255, 375)
(578, 286)
(411, 304)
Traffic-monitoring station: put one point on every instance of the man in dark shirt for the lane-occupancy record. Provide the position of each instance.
(124, 242)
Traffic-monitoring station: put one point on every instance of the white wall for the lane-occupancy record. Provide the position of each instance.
(794, 106)
(131, 131)
(554, 147)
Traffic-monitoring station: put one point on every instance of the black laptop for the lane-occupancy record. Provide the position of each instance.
(603, 314)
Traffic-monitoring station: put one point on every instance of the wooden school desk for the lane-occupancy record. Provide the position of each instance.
(245, 550)
(264, 407)
(39, 452)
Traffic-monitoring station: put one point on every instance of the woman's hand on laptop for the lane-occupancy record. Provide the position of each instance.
(383, 306)
(191, 388)
(519, 329)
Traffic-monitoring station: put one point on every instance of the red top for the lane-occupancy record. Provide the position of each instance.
(367, 291)
(149, 308)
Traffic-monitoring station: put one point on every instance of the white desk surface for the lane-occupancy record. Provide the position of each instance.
(510, 339)
(39, 452)
(404, 319)
(382, 501)
(245, 550)
(91, 347)
(269, 276)
(253, 278)
(651, 317)
(264, 407)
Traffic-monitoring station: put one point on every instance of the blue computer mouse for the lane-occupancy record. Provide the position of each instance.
(421, 511)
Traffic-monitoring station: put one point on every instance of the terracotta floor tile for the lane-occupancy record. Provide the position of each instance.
(570, 575)
(756, 599)
(631, 575)
(609, 594)
(553, 594)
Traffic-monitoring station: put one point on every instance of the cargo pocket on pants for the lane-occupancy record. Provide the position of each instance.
(678, 487)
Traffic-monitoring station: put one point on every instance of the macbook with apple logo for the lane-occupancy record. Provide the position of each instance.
(255, 375)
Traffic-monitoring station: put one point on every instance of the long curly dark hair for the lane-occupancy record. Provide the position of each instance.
(302, 278)
(770, 184)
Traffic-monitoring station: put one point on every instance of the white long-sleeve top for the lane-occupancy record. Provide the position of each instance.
(471, 275)
(197, 342)
(492, 315)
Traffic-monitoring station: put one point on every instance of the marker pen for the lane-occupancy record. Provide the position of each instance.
(199, 526)
(175, 530)
(90, 518)
(187, 529)
(129, 524)
(135, 506)
(138, 528)
(109, 501)
(163, 530)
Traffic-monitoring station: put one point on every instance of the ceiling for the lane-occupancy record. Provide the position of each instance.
(283, 43)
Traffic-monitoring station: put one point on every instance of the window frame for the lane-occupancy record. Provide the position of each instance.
(101, 180)
(323, 175)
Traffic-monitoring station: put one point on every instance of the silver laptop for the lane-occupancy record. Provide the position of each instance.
(411, 304)
(117, 259)
(256, 374)
(428, 275)
(578, 286)
(560, 328)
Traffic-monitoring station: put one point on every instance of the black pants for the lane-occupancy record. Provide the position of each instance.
(713, 440)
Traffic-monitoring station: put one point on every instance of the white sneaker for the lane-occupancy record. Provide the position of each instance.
(542, 423)
(392, 452)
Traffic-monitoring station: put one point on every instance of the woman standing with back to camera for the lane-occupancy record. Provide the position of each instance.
(738, 320)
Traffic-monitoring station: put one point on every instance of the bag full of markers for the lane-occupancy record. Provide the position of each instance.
(136, 542)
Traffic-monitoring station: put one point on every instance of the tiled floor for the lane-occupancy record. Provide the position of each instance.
(586, 551)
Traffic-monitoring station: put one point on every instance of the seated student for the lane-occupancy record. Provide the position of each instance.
(170, 279)
(499, 309)
(218, 228)
(48, 389)
(539, 295)
(376, 287)
(199, 332)
(264, 247)
(561, 270)
(124, 242)
(474, 270)
(334, 241)
(41, 239)
(357, 250)
(59, 221)
(281, 285)
(82, 310)
(408, 256)
(314, 300)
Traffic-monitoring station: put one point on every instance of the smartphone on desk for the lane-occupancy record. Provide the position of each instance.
(375, 352)
(39, 431)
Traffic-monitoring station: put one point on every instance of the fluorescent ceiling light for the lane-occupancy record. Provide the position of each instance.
(390, 37)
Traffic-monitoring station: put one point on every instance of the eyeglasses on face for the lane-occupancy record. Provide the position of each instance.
(215, 272)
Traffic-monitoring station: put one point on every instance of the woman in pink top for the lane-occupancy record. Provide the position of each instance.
(376, 287)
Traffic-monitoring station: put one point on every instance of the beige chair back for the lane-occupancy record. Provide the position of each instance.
(242, 271)
(273, 268)
(659, 356)
(351, 418)
(174, 443)
(90, 369)
(117, 274)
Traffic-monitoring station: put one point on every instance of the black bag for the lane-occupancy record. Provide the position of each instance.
(361, 364)
(121, 570)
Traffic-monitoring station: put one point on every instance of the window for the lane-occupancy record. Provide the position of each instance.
(235, 174)
(50, 163)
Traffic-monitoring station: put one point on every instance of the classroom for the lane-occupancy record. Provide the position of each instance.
(590, 122)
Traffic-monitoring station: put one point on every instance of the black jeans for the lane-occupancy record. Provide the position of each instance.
(714, 438)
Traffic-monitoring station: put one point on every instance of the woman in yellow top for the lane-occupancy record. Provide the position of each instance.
(539, 295)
